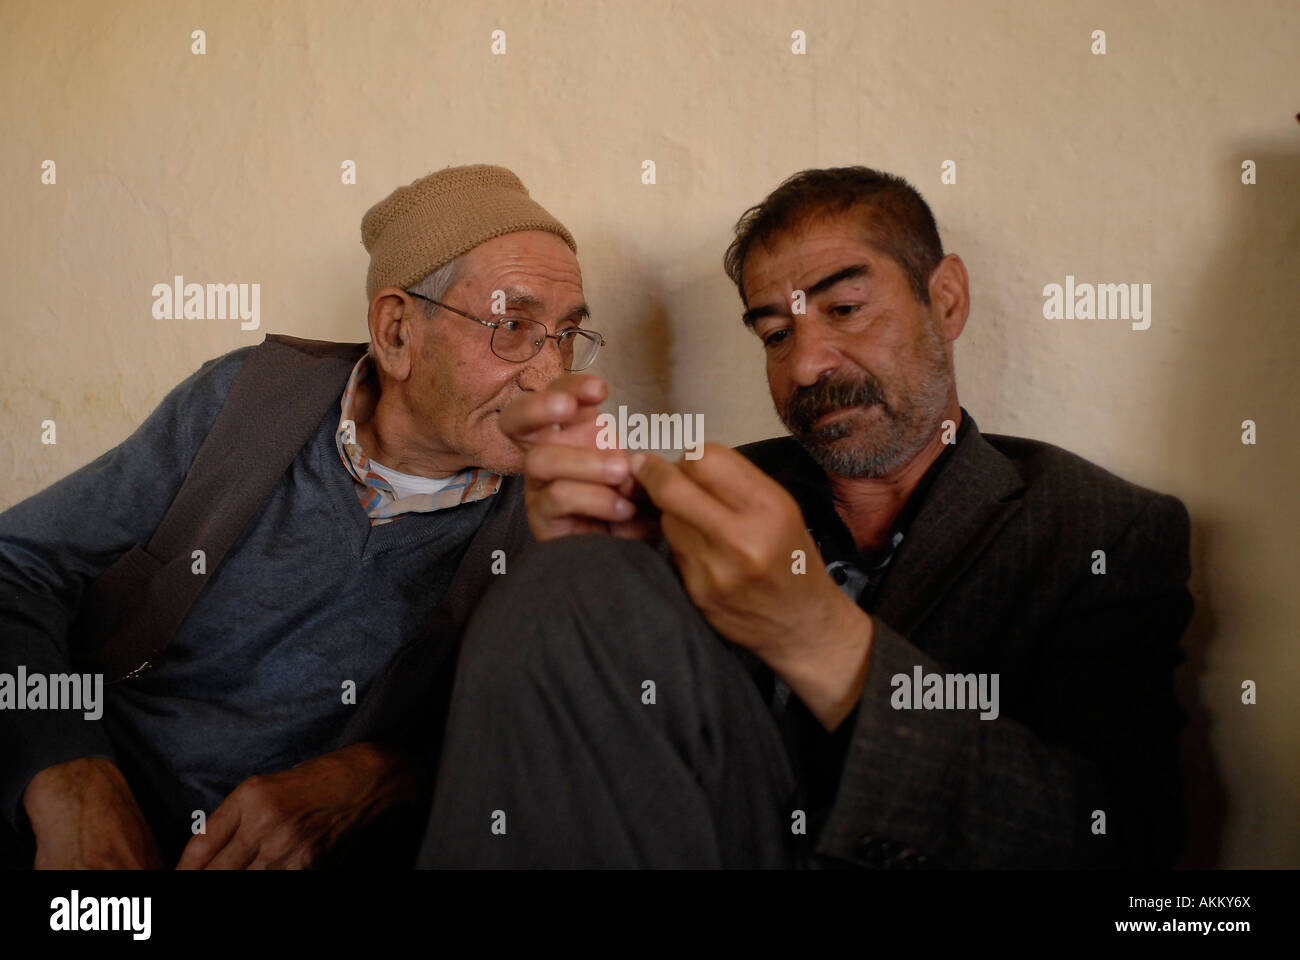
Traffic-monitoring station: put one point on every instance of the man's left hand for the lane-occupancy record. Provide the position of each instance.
(289, 820)
(736, 535)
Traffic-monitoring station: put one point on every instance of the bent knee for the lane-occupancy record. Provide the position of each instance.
(566, 594)
(591, 557)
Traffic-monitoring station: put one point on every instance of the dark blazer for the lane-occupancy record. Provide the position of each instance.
(995, 576)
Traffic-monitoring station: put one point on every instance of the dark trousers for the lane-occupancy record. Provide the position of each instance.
(598, 721)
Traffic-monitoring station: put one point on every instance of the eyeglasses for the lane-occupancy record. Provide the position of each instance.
(518, 339)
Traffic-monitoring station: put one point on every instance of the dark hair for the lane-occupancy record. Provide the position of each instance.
(898, 220)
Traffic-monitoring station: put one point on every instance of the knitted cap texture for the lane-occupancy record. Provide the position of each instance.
(423, 225)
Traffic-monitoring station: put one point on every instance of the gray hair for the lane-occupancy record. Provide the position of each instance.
(434, 286)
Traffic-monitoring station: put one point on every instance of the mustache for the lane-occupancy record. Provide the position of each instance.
(809, 404)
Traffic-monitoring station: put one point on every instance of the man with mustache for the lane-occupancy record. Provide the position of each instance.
(751, 703)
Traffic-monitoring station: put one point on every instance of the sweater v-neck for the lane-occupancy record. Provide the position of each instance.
(368, 540)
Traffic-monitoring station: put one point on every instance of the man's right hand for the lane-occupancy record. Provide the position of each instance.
(571, 485)
(85, 817)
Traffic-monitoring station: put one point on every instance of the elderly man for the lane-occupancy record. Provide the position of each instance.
(252, 739)
(888, 640)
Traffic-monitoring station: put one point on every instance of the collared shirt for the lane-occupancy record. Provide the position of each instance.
(818, 756)
(378, 499)
(860, 574)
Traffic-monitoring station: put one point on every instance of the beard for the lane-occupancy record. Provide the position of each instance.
(897, 434)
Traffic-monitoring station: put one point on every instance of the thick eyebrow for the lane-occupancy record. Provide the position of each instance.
(821, 286)
(525, 302)
(578, 313)
(848, 273)
(517, 300)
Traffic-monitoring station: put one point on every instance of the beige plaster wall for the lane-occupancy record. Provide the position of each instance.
(1123, 167)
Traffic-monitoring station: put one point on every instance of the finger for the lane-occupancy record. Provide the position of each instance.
(571, 398)
(263, 861)
(236, 855)
(732, 478)
(645, 507)
(526, 415)
(304, 855)
(289, 855)
(548, 461)
(688, 543)
(675, 493)
(202, 847)
(239, 851)
(690, 552)
(638, 528)
(589, 389)
(568, 498)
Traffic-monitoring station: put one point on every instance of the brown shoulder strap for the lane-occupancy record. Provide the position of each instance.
(282, 392)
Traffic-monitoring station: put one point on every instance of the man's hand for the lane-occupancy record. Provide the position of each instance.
(571, 485)
(736, 534)
(291, 819)
(85, 818)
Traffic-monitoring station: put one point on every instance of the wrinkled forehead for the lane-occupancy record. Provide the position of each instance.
(530, 273)
(530, 260)
(819, 243)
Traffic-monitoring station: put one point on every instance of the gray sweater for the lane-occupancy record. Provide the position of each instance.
(309, 597)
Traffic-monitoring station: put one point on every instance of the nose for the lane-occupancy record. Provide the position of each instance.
(546, 365)
(813, 353)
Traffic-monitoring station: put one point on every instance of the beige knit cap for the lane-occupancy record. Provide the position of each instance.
(418, 228)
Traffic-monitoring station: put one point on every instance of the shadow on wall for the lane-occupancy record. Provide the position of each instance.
(1241, 350)
(343, 311)
(1202, 782)
(628, 307)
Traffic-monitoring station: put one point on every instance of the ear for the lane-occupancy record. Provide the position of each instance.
(392, 312)
(950, 296)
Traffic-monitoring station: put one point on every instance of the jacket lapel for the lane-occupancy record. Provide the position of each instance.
(969, 503)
